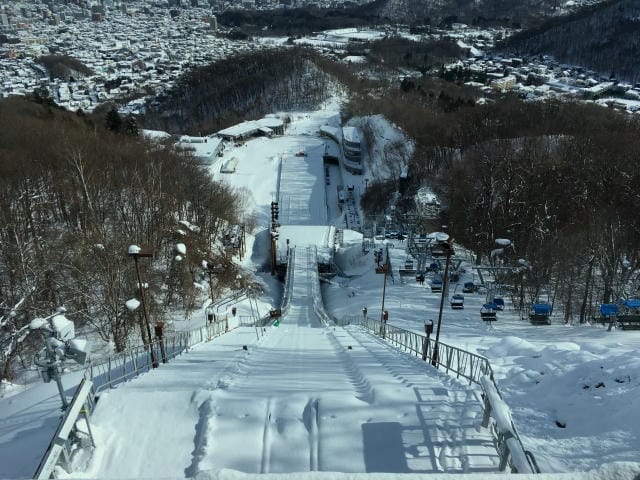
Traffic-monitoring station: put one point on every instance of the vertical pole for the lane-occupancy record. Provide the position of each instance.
(56, 375)
(159, 327)
(273, 254)
(434, 359)
(384, 291)
(146, 316)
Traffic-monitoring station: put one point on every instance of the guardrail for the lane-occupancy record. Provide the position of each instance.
(110, 372)
(474, 368)
(288, 280)
(130, 363)
(318, 303)
(60, 445)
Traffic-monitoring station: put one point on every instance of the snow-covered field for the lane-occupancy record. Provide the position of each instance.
(300, 399)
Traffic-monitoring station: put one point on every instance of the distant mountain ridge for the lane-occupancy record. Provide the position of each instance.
(604, 38)
(508, 13)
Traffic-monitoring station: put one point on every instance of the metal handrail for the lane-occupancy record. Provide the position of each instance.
(474, 368)
(118, 368)
(318, 302)
(59, 444)
(287, 290)
(131, 362)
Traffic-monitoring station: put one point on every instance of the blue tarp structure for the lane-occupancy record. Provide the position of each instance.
(631, 303)
(608, 309)
(541, 309)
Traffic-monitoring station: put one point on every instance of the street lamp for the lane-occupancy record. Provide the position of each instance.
(443, 247)
(384, 315)
(136, 252)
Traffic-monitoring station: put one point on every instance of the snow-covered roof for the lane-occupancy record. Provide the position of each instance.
(243, 129)
(351, 134)
(270, 122)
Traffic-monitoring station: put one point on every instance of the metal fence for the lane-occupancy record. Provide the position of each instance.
(108, 373)
(287, 290)
(472, 367)
(130, 363)
(60, 446)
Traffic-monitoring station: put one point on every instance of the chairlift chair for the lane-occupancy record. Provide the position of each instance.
(488, 312)
(540, 314)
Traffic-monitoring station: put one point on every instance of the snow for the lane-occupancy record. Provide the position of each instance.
(132, 304)
(37, 323)
(338, 399)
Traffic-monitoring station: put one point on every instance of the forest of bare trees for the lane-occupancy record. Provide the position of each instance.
(73, 197)
(604, 37)
(560, 179)
(215, 96)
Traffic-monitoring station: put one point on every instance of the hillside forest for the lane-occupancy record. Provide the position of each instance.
(73, 196)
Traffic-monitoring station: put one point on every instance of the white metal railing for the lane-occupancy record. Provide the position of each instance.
(474, 368)
(130, 363)
(287, 290)
(60, 445)
(110, 372)
(318, 303)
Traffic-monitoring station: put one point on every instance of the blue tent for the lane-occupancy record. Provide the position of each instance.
(541, 308)
(608, 309)
(631, 303)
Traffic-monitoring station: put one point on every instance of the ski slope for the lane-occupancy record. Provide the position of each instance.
(305, 397)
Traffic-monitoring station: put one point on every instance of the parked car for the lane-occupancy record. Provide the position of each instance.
(457, 301)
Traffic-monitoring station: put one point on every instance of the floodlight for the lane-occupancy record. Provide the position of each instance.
(76, 350)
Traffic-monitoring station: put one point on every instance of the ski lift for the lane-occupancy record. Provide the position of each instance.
(540, 314)
(488, 312)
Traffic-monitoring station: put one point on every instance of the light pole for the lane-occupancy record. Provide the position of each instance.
(384, 315)
(446, 249)
(136, 252)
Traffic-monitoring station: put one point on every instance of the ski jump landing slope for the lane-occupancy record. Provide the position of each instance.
(305, 397)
